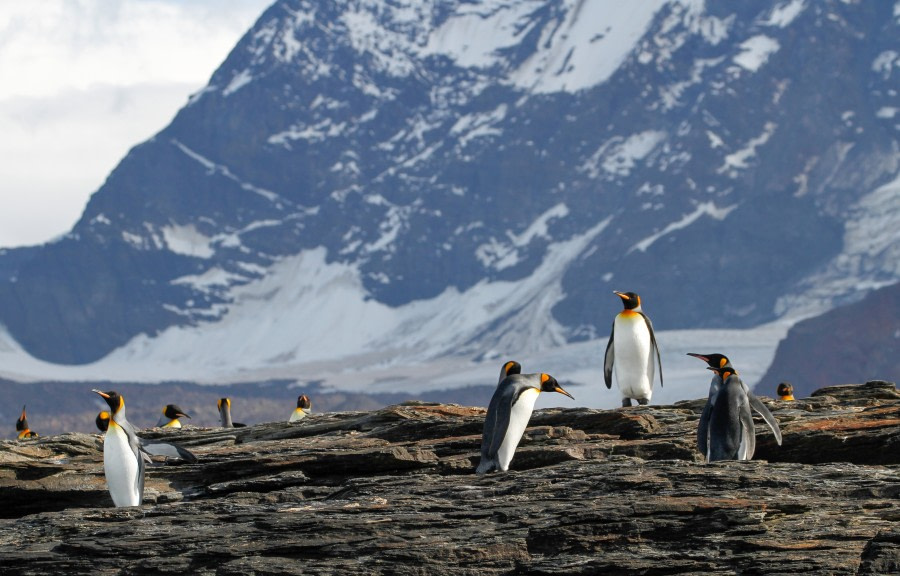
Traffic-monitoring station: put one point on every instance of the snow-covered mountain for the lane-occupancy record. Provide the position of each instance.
(369, 184)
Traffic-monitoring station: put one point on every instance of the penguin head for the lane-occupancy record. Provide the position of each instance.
(22, 422)
(113, 399)
(173, 411)
(785, 391)
(509, 368)
(223, 404)
(549, 384)
(304, 402)
(630, 300)
(102, 421)
(713, 360)
(725, 372)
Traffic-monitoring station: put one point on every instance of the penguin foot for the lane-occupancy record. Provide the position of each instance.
(643, 401)
(626, 402)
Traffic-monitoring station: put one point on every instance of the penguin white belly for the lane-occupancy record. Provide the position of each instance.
(520, 414)
(121, 468)
(297, 414)
(634, 356)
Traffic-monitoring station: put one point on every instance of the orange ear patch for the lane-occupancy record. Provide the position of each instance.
(723, 362)
(544, 378)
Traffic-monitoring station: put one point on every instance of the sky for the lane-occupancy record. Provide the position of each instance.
(83, 81)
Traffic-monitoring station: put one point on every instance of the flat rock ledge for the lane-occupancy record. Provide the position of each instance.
(393, 492)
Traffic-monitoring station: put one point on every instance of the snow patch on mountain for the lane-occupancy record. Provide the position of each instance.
(756, 51)
(499, 254)
(187, 241)
(783, 14)
(703, 209)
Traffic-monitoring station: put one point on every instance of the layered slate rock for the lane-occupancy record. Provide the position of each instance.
(393, 492)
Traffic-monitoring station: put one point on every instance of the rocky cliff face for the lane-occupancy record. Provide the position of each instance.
(393, 492)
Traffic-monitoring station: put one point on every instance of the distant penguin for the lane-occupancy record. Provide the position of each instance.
(732, 435)
(22, 427)
(715, 362)
(123, 461)
(630, 351)
(304, 407)
(785, 392)
(508, 415)
(224, 406)
(508, 368)
(166, 449)
(170, 417)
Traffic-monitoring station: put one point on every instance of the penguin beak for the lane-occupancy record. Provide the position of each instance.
(23, 413)
(101, 393)
(701, 357)
(561, 391)
(621, 295)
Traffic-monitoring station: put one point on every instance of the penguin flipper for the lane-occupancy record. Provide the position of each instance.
(168, 450)
(654, 348)
(703, 429)
(140, 455)
(748, 433)
(609, 359)
(488, 458)
(763, 411)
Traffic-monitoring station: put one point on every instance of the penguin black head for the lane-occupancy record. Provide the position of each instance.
(630, 300)
(113, 399)
(509, 368)
(549, 384)
(22, 422)
(785, 391)
(173, 411)
(224, 402)
(724, 372)
(304, 402)
(102, 421)
(712, 360)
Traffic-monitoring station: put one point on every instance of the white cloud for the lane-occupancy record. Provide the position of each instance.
(83, 81)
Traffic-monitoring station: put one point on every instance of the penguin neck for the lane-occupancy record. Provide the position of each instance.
(787, 398)
(225, 414)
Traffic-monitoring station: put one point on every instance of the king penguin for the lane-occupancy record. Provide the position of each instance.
(718, 362)
(165, 449)
(224, 405)
(22, 427)
(304, 407)
(507, 417)
(170, 415)
(123, 461)
(785, 392)
(631, 350)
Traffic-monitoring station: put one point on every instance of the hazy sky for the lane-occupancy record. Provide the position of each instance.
(82, 81)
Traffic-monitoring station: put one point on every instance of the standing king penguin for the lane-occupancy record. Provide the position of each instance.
(123, 461)
(22, 430)
(304, 407)
(785, 392)
(170, 415)
(224, 406)
(630, 351)
(508, 415)
(717, 363)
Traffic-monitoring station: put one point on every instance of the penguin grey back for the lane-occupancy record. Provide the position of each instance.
(732, 435)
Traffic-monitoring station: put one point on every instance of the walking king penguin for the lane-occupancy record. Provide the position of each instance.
(22, 427)
(631, 349)
(304, 407)
(123, 462)
(717, 362)
(170, 415)
(508, 415)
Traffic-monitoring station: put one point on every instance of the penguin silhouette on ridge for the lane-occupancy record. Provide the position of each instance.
(224, 406)
(170, 417)
(630, 352)
(304, 407)
(23, 432)
(785, 392)
(508, 414)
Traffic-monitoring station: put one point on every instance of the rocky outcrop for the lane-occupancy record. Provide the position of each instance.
(393, 492)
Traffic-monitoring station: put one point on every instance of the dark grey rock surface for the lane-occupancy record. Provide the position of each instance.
(393, 492)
